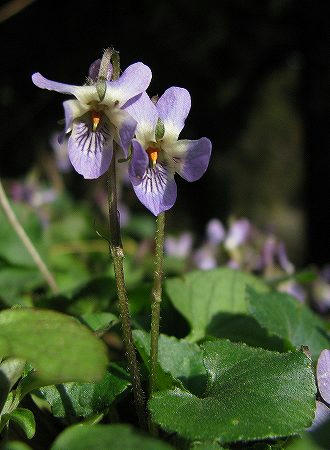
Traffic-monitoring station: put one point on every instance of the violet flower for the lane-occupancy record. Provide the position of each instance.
(95, 120)
(321, 290)
(60, 148)
(238, 234)
(323, 382)
(180, 246)
(157, 152)
(215, 232)
(205, 257)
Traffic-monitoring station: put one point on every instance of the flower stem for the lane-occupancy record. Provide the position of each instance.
(27, 241)
(156, 298)
(116, 250)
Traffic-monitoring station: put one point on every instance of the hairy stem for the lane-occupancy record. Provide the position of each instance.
(117, 254)
(26, 241)
(156, 297)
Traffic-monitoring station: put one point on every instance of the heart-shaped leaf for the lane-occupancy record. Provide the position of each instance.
(58, 346)
(252, 394)
(287, 318)
(84, 399)
(201, 295)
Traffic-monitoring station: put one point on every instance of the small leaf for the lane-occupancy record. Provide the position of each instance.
(99, 321)
(182, 359)
(58, 346)
(24, 418)
(110, 437)
(253, 394)
(287, 318)
(84, 399)
(164, 380)
(201, 295)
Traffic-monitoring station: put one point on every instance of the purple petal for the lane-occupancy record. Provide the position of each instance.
(139, 163)
(72, 110)
(179, 247)
(191, 157)
(173, 108)
(215, 232)
(322, 414)
(125, 128)
(61, 153)
(143, 110)
(323, 375)
(283, 259)
(294, 289)
(90, 152)
(134, 80)
(85, 94)
(205, 258)
(94, 69)
(238, 234)
(156, 189)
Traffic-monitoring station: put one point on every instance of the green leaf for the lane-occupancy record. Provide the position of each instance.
(84, 399)
(182, 359)
(110, 437)
(287, 318)
(15, 281)
(24, 418)
(11, 370)
(99, 321)
(252, 394)
(11, 247)
(58, 346)
(164, 379)
(15, 445)
(243, 328)
(206, 446)
(304, 443)
(202, 295)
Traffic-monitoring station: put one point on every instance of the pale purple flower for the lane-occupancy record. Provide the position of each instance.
(205, 257)
(321, 290)
(238, 234)
(95, 120)
(157, 152)
(275, 251)
(293, 288)
(215, 232)
(322, 413)
(31, 194)
(180, 246)
(323, 375)
(283, 259)
(60, 148)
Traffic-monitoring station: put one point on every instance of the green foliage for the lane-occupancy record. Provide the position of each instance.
(110, 437)
(252, 394)
(15, 445)
(179, 358)
(58, 346)
(285, 317)
(11, 248)
(209, 391)
(85, 399)
(24, 418)
(204, 296)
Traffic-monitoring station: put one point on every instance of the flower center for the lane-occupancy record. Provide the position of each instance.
(96, 117)
(153, 155)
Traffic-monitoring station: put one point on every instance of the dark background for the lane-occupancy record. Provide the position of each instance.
(258, 74)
